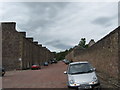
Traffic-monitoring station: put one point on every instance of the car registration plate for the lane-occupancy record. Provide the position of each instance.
(84, 87)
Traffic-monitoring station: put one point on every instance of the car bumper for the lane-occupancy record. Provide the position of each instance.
(84, 86)
(35, 68)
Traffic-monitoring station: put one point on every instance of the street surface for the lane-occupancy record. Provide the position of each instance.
(51, 76)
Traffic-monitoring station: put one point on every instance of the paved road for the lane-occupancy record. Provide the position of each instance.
(51, 76)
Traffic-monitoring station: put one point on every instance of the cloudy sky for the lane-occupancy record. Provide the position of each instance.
(61, 25)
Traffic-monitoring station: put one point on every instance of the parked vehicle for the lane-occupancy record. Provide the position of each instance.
(50, 61)
(82, 75)
(66, 61)
(34, 67)
(45, 63)
(2, 71)
(54, 61)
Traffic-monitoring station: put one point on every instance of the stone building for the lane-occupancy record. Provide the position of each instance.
(19, 52)
(91, 43)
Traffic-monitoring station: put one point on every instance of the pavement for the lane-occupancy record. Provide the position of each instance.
(51, 76)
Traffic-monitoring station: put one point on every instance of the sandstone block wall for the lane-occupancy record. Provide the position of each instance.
(19, 52)
(10, 46)
(119, 55)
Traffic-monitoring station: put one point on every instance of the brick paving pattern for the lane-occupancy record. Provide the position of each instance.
(51, 76)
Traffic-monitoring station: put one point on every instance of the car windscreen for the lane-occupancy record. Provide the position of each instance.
(80, 68)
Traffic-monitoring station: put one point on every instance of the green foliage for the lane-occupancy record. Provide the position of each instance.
(70, 49)
(82, 44)
(61, 55)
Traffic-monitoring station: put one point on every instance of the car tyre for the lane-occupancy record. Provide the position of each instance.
(3, 74)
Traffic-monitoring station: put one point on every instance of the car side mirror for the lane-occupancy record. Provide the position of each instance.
(65, 72)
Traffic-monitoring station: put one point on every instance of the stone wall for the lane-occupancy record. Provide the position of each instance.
(70, 56)
(19, 52)
(103, 55)
(10, 46)
(119, 55)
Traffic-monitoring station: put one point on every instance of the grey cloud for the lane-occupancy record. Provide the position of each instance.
(58, 44)
(62, 46)
(103, 21)
(59, 25)
(119, 13)
(42, 14)
(52, 42)
(45, 4)
(32, 25)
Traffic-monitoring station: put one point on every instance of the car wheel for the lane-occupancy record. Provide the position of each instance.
(99, 88)
(69, 87)
(3, 74)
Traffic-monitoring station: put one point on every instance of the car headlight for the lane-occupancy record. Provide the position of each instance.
(94, 81)
(71, 82)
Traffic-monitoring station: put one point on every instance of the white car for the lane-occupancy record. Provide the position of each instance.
(82, 75)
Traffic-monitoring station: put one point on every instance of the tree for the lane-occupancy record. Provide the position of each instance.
(82, 44)
(61, 55)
